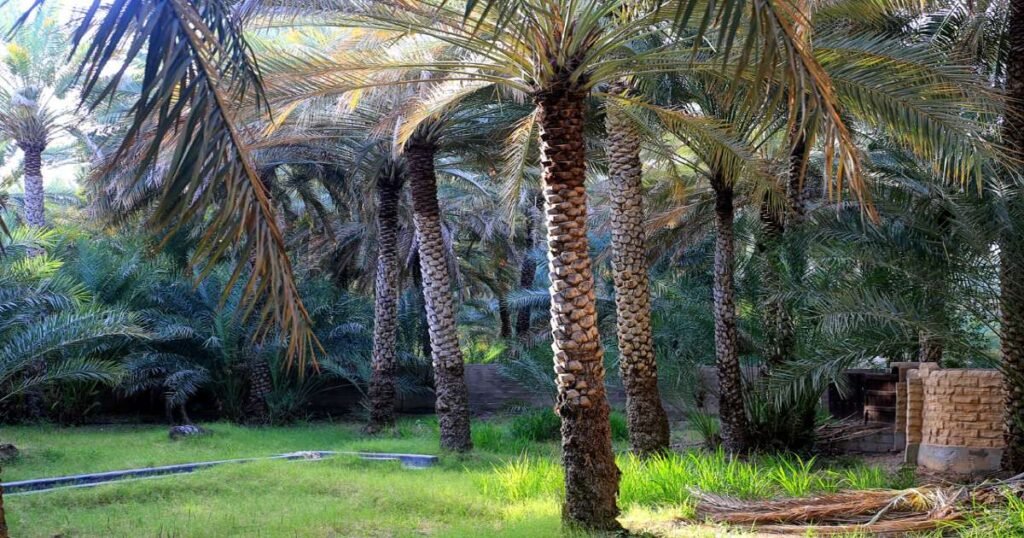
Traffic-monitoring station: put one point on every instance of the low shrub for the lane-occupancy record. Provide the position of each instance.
(707, 427)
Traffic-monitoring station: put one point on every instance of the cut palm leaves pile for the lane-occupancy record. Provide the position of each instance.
(878, 512)
(830, 437)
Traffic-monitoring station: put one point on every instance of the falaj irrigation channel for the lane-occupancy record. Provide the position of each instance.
(408, 461)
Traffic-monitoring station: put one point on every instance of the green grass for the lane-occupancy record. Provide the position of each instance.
(508, 487)
(51, 451)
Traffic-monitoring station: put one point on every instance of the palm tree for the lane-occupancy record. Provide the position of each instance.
(1011, 247)
(426, 134)
(528, 263)
(452, 395)
(556, 53)
(211, 164)
(35, 77)
(385, 306)
(648, 422)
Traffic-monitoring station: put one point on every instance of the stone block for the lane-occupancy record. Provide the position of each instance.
(959, 459)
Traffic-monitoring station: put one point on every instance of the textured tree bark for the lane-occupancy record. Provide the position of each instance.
(1012, 343)
(449, 382)
(34, 198)
(385, 307)
(504, 315)
(647, 420)
(261, 383)
(775, 314)
(1012, 253)
(591, 476)
(527, 273)
(35, 217)
(779, 325)
(731, 410)
(930, 347)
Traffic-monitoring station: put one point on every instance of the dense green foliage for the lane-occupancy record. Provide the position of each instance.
(293, 210)
(858, 290)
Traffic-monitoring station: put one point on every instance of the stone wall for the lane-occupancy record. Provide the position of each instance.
(954, 419)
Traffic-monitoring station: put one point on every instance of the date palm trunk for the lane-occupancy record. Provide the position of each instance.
(779, 324)
(731, 410)
(527, 271)
(385, 307)
(930, 347)
(261, 383)
(776, 317)
(1012, 252)
(449, 382)
(645, 415)
(34, 197)
(504, 313)
(591, 476)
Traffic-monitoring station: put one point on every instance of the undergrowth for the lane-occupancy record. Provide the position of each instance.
(671, 479)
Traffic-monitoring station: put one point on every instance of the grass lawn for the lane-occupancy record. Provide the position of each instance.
(507, 487)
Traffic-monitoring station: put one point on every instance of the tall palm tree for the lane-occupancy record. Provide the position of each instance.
(648, 422)
(190, 99)
(385, 306)
(528, 262)
(35, 77)
(452, 395)
(426, 137)
(1012, 247)
(556, 53)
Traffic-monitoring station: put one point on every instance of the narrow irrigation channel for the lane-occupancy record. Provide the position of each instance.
(409, 461)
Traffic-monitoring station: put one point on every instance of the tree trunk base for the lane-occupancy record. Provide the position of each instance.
(649, 432)
(591, 476)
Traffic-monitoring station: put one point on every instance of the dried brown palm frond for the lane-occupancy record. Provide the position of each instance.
(878, 512)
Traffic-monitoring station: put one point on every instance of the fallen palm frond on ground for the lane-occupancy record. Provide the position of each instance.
(831, 436)
(879, 512)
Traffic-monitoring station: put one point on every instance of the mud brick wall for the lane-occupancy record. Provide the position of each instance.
(963, 408)
(903, 372)
(915, 407)
(961, 426)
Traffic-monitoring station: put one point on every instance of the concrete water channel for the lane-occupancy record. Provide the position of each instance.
(38, 485)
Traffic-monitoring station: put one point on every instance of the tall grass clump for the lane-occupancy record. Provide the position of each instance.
(661, 479)
(671, 478)
(862, 477)
(985, 522)
(524, 478)
(795, 476)
(493, 437)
